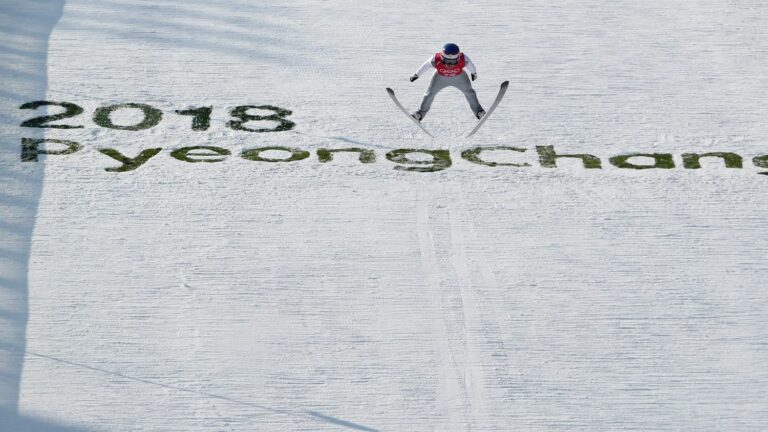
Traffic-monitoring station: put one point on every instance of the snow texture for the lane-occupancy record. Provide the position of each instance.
(254, 296)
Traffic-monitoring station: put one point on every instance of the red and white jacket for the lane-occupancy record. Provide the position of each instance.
(447, 71)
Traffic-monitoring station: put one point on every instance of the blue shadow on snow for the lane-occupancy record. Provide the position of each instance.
(25, 28)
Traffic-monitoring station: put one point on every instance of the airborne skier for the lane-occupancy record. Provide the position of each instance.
(449, 64)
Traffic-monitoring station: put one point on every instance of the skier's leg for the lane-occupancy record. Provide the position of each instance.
(435, 85)
(465, 86)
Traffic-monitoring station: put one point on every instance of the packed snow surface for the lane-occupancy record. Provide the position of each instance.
(447, 295)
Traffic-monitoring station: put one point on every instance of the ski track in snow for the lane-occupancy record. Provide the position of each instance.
(473, 375)
(306, 296)
(452, 398)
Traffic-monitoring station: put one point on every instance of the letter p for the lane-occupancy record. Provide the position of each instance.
(30, 148)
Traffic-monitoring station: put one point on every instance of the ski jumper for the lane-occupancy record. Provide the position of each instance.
(449, 76)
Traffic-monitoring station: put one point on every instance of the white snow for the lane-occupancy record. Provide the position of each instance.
(254, 296)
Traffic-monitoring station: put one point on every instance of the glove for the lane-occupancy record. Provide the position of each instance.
(474, 76)
(413, 78)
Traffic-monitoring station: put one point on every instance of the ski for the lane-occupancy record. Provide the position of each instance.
(399, 105)
(502, 90)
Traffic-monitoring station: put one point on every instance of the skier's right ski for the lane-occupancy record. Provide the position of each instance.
(399, 105)
(502, 90)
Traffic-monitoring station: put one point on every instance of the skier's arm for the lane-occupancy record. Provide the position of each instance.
(470, 67)
(425, 67)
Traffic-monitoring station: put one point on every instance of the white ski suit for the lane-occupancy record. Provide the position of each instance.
(438, 82)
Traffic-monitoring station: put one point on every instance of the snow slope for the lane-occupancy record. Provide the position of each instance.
(242, 295)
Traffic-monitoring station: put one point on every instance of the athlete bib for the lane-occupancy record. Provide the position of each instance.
(449, 71)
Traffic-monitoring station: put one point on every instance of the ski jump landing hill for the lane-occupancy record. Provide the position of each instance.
(213, 218)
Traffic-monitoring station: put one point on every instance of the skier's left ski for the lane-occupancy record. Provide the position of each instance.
(502, 90)
(399, 105)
